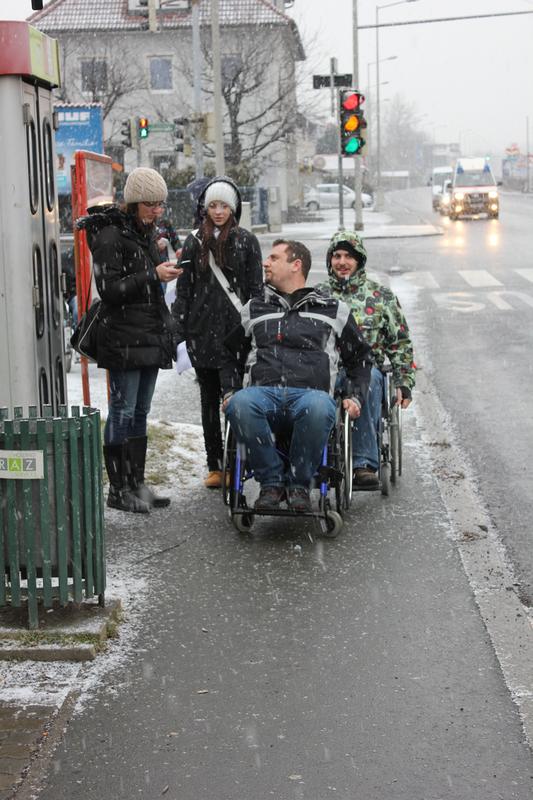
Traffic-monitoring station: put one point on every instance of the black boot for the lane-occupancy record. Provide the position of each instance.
(137, 456)
(120, 495)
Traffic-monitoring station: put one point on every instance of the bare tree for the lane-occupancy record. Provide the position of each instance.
(259, 90)
(104, 75)
(403, 139)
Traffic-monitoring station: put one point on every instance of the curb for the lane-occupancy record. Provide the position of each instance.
(73, 633)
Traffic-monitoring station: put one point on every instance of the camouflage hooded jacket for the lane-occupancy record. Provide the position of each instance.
(377, 312)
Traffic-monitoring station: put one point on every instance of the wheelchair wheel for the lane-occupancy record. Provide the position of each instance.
(228, 465)
(243, 522)
(343, 462)
(334, 524)
(395, 445)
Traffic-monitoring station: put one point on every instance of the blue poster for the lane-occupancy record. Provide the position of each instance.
(80, 128)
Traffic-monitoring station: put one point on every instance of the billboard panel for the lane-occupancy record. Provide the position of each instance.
(81, 127)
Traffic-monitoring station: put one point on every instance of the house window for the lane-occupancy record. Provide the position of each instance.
(231, 66)
(93, 75)
(161, 74)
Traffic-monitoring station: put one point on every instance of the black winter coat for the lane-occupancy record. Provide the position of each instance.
(203, 313)
(136, 328)
(297, 341)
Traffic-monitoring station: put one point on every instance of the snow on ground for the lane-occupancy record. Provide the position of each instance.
(48, 683)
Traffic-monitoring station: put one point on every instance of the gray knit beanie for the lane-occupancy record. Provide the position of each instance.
(145, 185)
(223, 192)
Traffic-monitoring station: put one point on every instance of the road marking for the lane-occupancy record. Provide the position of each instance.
(457, 301)
(424, 280)
(525, 273)
(478, 278)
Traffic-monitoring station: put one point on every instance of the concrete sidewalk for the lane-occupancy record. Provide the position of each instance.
(377, 225)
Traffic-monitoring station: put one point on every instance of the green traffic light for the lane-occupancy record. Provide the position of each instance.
(352, 146)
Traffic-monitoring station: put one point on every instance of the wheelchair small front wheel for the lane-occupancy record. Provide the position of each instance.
(334, 524)
(243, 522)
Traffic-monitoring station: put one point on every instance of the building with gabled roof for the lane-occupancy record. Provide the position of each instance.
(110, 55)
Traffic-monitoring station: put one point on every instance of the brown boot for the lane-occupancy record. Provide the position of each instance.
(214, 479)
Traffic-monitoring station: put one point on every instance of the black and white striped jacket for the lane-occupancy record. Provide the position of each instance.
(299, 341)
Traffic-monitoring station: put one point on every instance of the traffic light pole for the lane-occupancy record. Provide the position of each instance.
(217, 88)
(197, 79)
(358, 182)
(337, 105)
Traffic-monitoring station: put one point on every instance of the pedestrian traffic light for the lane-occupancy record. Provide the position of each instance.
(125, 132)
(181, 132)
(143, 127)
(352, 122)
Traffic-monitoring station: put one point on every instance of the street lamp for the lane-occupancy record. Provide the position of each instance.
(379, 194)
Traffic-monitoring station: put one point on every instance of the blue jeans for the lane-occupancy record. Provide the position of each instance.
(365, 429)
(257, 413)
(131, 393)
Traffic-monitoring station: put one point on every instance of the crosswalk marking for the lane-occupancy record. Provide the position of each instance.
(525, 273)
(478, 278)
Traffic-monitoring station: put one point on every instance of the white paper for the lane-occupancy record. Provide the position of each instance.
(183, 362)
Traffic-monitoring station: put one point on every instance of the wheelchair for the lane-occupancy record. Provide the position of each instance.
(333, 479)
(389, 438)
(389, 435)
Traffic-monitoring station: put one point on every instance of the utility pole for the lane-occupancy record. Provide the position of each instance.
(358, 222)
(527, 155)
(217, 88)
(197, 83)
(152, 17)
(335, 110)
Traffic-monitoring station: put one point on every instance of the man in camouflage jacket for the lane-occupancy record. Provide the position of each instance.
(380, 319)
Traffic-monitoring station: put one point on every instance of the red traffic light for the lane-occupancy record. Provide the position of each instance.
(352, 100)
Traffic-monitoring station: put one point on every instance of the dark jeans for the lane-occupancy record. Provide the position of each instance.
(210, 397)
(131, 393)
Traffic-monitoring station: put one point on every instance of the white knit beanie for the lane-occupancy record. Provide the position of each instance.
(145, 185)
(223, 192)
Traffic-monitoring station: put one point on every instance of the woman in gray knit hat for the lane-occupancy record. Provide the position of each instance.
(204, 311)
(135, 331)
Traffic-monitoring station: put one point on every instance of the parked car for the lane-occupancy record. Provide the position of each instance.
(326, 195)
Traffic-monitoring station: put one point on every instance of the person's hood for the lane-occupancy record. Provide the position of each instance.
(99, 218)
(223, 179)
(350, 241)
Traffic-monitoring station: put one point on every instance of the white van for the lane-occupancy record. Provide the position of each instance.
(438, 177)
(474, 189)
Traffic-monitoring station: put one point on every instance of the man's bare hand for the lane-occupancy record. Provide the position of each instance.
(353, 408)
(402, 402)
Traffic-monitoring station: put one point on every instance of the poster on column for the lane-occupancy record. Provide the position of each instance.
(81, 127)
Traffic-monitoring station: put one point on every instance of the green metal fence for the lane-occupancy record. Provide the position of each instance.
(51, 509)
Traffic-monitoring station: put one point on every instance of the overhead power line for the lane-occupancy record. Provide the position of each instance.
(443, 19)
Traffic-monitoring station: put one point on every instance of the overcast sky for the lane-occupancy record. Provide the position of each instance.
(471, 81)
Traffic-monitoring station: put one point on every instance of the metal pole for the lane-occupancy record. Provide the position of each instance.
(217, 88)
(332, 73)
(358, 222)
(152, 17)
(340, 173)
(379, 198)
(197, 80)
(527, 155)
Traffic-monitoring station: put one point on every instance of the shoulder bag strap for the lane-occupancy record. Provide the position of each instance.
(221, 278)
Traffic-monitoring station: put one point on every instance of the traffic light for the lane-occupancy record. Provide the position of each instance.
(125, 132)
(352, 122)
(143, 127)
(181, 132)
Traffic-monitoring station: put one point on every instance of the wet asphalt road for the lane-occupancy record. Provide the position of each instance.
(288, 666)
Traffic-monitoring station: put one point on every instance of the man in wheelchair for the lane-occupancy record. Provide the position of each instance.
(289, 346)
(379, 316)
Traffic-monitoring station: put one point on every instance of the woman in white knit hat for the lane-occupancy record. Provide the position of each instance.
(135, 332)
(204, 310)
